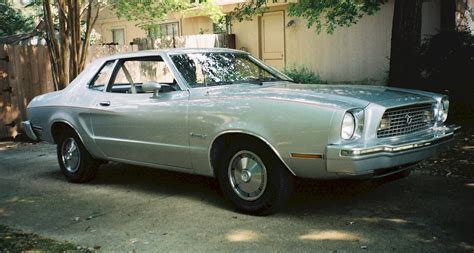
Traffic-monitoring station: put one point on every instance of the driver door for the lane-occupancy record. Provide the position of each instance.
(133, 126)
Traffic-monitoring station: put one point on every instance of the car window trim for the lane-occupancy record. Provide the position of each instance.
(88, 85)
(120, 62)
(252, 59)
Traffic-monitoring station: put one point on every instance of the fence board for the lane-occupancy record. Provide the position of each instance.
(5, 102)
(34, 61)
(24, 84)
(13, 81)
(46, 79)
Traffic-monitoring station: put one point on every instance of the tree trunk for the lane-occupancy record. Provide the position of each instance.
(406, 39)
(68, 50)
(447, 15)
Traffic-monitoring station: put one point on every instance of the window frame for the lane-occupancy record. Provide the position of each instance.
(119, 63)
(93, 79)
(112, 30)
(252, 59)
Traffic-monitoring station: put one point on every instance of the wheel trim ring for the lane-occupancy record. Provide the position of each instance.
(70, 155)
(260, 169)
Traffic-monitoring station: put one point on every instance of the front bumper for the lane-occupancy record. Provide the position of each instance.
(28, 128)
(397, 153)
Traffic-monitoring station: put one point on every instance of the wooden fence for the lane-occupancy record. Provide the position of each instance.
(25, 72)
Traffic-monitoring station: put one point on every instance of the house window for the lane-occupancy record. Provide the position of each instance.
(163, 30)
(118, 36)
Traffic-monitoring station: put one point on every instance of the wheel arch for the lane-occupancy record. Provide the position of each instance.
(59, 125)
(222, 140)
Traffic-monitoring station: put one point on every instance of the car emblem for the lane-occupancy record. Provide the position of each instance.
(408, 119)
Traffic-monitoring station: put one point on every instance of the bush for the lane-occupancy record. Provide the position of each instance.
(446, 65)
(302, 74)
(447, 61)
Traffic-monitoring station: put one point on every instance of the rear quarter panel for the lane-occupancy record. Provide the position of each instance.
(70, 106)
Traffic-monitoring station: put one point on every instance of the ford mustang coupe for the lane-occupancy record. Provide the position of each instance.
(222, 113)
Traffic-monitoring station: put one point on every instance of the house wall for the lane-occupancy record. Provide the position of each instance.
(196, 25)
(355, 54)
(359, 53)
(108, 21)
(187, 25)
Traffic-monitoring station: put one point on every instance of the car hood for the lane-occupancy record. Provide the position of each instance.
(336, 95)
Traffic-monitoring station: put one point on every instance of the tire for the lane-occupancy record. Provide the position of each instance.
(261, 190)
(75, 161)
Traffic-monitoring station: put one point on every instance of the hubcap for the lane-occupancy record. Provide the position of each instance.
(70, 155)
(247, 175)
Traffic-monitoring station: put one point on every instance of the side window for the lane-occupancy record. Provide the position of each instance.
(100, 79)
(132, 73)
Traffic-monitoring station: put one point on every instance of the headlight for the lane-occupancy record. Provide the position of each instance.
(348, 126)
(441, 110)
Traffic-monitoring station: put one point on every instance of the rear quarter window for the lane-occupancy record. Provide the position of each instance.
(101, 79)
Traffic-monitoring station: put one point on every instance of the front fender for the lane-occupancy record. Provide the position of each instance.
(287, 128)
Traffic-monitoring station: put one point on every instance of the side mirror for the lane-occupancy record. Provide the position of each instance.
(152, 86)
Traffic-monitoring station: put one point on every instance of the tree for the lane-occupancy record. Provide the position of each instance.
(13, 21)
(406, 41)
(317, 13)
(149, 13)
(406, 27)
(68, 43)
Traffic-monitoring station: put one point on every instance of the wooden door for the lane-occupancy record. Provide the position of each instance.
(273, 39)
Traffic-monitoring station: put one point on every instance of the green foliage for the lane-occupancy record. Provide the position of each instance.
(447, 61)
(319, 14)
(211, 10)
(246, 11)
(302, 74)
(13, 21)
(149, 13)
(221, 25)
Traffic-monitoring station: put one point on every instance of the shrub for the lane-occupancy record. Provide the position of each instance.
(447, 61)
(446, 65)
(302, 74)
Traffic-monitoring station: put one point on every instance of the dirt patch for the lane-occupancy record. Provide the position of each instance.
(457, 161)
(13, 240)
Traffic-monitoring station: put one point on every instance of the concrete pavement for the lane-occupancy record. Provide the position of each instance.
(134, 208)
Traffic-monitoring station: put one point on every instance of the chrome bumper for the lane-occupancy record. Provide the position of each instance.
(27, 127)
(360, 159)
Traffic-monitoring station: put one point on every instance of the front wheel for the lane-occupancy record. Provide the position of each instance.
(75, 162)
(254, 179)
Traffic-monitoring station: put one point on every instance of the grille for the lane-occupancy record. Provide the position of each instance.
(405, 120)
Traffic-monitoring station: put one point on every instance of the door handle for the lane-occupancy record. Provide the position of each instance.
(104, 103)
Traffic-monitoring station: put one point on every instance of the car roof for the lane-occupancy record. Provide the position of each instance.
(170, 51)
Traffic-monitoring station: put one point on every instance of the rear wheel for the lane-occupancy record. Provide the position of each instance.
(253, 179)
(75, 162)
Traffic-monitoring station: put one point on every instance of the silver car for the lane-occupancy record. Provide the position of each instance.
(222, 113)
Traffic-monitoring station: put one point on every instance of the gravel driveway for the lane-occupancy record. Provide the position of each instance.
(134, 208)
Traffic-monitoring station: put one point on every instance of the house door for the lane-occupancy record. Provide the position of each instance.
(273, 39)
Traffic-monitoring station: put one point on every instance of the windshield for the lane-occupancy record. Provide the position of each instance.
(210, 69)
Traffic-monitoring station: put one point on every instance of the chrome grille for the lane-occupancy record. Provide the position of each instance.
(405, 120)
